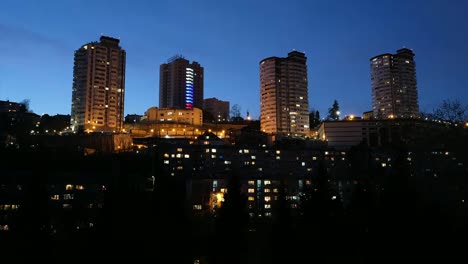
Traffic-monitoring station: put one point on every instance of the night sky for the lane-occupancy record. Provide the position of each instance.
(229, 38)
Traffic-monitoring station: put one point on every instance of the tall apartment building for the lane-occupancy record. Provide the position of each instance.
(284, 100)
(181, 84)
(219, 109)
(98, 86)
(394, 88)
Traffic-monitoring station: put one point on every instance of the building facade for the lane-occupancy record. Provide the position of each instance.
(284, 100)
(219, 109)
(394, 87)
(181, 84)
(8, 107)
(98, 86)
(192, 116)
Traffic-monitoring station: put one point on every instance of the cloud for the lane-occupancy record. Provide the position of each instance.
(18, 42)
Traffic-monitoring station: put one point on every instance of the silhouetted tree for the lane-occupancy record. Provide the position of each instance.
(334, 111)
(282, 230)
(32, 223)
(398, 206)
(170, 216)
(208, 117)
(231, 224)
(314, 118)
(235, 111)
(316, 210)
(450, 110)
(25, 106)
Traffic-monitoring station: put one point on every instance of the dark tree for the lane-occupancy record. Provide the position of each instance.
(282, 228)
(231, 224)
(25, 106)
(32, 223)
(334, 111)
(314, 118)
(208, 117)
(315, 208)
(235, 111)
(453, 111)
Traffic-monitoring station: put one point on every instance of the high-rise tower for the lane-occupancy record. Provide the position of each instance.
(98, 86)
(284, 100)
(181, 84)
(394, 88)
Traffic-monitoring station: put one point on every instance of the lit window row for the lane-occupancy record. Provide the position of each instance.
(9, 206)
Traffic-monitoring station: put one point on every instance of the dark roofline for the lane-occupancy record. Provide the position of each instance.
(109, 38)
(269, 58)
(405, 49)
(283, 58)
(383, 54)
(295, 51)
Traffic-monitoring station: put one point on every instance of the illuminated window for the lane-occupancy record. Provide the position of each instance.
(68, 187)
(166, 161)
(384, 164)
(68, 196)
(267, 198)
(79, 187)
(251, 190)
(267, 206)
(197, 207)
(213, 150)
(267, 190)
(246, 151)
(275, 190)
(278, 152)
(253, 157)
(303, 164)
(251, 182)
(213, 156)
(314, 158)
(251, 198)
(55, 197)
(179, 149)
(278, 157)
(267, 182)
(260, 169)
(227, 162)
(180, 167)
(172, 155)
(223, 190)
(186, 156)
(179, 155)
(268, 214)
(207, 150)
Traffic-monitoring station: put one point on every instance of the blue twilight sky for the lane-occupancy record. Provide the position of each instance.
(229, 38)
